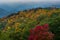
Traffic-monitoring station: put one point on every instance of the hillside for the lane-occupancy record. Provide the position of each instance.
(17, 25)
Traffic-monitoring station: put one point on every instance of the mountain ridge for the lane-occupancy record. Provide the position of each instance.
(15, 7)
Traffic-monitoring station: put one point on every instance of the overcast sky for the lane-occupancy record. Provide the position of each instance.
(23, 1)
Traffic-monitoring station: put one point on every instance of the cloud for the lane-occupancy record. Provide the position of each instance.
(24, 1)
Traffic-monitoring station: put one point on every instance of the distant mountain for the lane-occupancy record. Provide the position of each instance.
(58, 6)
(28, 6)
(15, 7)
(3, 12)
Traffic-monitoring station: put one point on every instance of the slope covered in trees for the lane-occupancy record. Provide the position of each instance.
(17, 26)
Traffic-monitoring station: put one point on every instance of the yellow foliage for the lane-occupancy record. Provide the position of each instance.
(8, 28)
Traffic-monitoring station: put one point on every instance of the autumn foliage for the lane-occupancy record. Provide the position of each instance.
(26, 25)
(41, 33)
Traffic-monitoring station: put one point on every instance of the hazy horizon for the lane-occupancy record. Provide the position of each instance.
(11, 6)
(26, 1)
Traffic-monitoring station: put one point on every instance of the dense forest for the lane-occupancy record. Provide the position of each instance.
(33, 24)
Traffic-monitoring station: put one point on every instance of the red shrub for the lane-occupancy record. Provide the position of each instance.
(40, 33)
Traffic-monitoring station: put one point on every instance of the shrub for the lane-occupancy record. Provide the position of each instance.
(41, 33)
